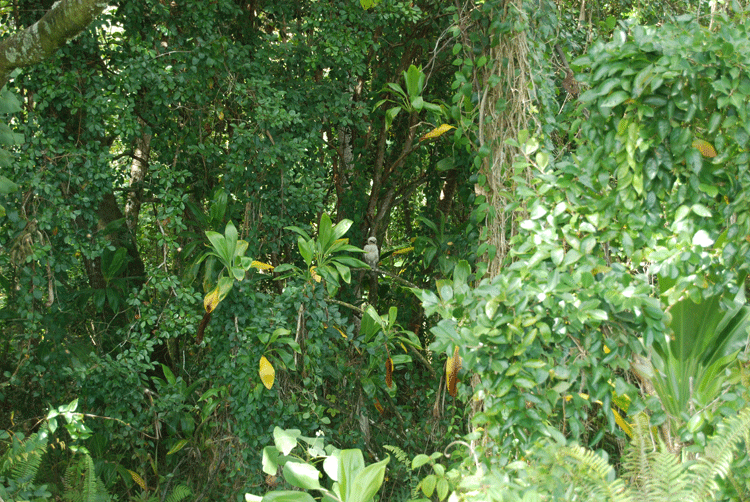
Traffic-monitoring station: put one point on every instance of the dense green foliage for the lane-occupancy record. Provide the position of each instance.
(185, 189)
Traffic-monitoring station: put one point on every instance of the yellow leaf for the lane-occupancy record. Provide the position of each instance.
(261, 266)
(404, 250)
(389, 372)
(452, 367)
(438, 131)
(211, 300)
(180, 444)
(137, 479)
(315, 275)
(267, 373)
(706, 148)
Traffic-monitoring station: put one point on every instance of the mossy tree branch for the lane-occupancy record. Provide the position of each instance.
(65, 20)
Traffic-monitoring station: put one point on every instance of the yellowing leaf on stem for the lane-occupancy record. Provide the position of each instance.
(452, 367)
(139, 480)
(389, 372)
(315, 275)
(267, 373)
(211, 300)
(438, 131)
(261, 266)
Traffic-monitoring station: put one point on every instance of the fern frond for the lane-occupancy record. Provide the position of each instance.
(400, 454)
(636, 464)
(179, 493)
(719, 454)
(21, 461)
(666, 478)
(81, 482)
(592, 475)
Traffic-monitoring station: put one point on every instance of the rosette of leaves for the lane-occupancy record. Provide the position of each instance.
(325, 255)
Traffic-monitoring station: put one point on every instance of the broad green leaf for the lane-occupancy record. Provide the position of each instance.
(325, 232)
(419, 461)
(428, 485)
(220, 249)
(177, 447)
(351, 463)
(285, 440)
(301, 475)
(288, 496)
(342, 228)
(331, 465)
(305, 249)
(368, 481)
(271, 460)
(171, 380)
(414, 78)
(230, 237)
(461, 274)
(7, 186)
(343, 271)
(614, 99)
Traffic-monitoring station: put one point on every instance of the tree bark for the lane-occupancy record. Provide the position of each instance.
(65, 20)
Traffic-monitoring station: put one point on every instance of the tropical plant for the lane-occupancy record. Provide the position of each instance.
(324, 255)
(688, 368)
(351, 480)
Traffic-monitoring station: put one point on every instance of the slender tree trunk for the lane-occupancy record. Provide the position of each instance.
(138, 170)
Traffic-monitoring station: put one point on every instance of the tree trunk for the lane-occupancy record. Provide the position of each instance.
(138, 170)
(512, 68)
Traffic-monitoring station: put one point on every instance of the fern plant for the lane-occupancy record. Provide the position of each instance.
(81, 482)
(19, 466)
(651, 472)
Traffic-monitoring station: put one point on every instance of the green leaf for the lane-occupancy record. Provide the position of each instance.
(219, 245)
(168, 374)
(414, 78)
(301, 475)
(305, 249)
(461, 274)
(7, 186)
(442, 488)
(419, 461)
(351, 463)
(285, 440)
(270, 460)
(288, 496)
(230, 237)
(428, 485)
(614, 99)
(368, 481)
(341, 228)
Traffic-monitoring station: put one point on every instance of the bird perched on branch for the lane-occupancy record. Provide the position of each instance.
(372, 255)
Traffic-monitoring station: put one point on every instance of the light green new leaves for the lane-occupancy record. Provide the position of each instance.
(325, 256)
(353, 481)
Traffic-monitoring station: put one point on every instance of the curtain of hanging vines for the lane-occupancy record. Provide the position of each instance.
(503, 112)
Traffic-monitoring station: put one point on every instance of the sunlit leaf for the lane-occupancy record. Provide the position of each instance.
(267, 373)
(437, 132)
(452, 367)
(389, 372)
(211, 300)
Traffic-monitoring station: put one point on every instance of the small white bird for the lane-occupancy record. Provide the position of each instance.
(372, 255)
